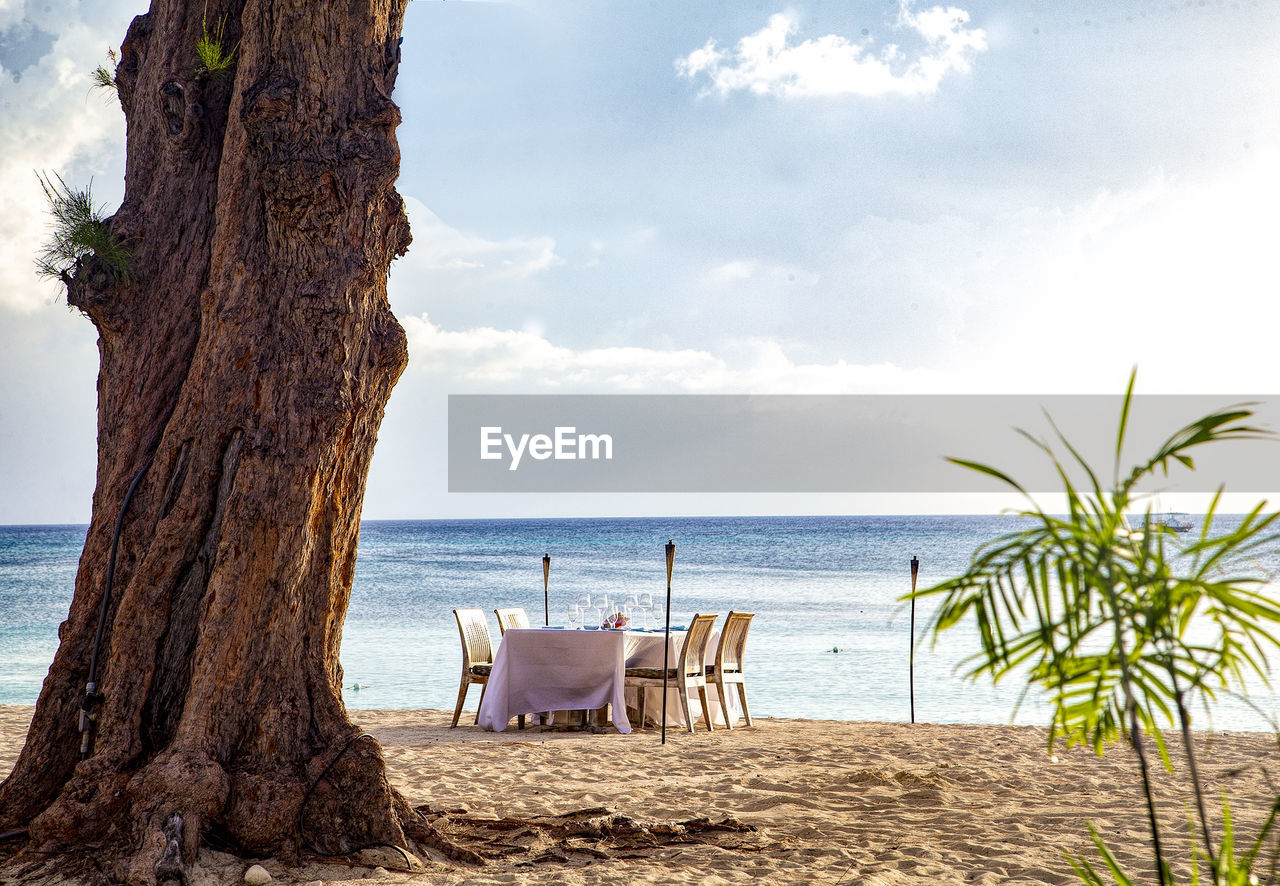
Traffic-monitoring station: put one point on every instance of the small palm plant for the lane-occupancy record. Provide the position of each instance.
(103, 78)
(215, 59)
(79, 231)
(1121, 627)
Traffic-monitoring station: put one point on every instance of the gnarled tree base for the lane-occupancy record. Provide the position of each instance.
(454, 841)
(147, 828)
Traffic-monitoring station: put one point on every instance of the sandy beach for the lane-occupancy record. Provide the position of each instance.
(821, 802)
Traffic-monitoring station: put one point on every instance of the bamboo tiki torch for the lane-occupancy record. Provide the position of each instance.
(911, 659)
(666, 645)
(546, 580)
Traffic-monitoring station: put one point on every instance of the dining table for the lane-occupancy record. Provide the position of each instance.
(541, 670)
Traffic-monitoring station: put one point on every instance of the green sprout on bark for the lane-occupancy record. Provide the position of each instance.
(1123, 628)
(104, 78)
(79, 231)
(215, 59)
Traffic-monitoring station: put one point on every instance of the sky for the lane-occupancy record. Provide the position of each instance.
(864, 196)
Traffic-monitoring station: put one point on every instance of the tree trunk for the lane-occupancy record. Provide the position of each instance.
(245, 367)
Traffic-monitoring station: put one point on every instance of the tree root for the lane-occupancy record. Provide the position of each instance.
(578, 837)
(147, 829)
(572, 839)
(170, 868)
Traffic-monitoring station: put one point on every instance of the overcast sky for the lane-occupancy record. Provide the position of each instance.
(711, 197)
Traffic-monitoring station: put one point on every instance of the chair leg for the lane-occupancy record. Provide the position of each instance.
(683, 689)
(706, 709)
(462, 697)
(519, 720)
(640, 705)
(742, 694)
(724, 704)
(483, 687)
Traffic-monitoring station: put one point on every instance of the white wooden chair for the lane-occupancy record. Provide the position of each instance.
(515, 617)
(689, 672)
(728, 666)
(477, 656)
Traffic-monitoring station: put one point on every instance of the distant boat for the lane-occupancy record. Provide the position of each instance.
(1178, 522)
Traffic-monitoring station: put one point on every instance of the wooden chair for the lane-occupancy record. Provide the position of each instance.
(514, 617)
(477, 656)
(689, 672)
(728, 666)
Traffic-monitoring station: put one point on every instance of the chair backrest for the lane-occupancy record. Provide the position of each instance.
(515, 617)
(733, 637)
(694, 652)
(477, 647)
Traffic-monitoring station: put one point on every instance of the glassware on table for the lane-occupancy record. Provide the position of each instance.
(572, 614)
(657, 614)
(614, 612)
(646, 610)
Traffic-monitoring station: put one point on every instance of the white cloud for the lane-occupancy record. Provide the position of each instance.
(1171, 274)
(1176, 276)
(738, 270)
(10, 13)
(437, 246)
(768, 63)
(504, 357)
(742, 269)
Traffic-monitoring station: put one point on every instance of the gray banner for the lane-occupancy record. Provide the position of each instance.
(838, 443)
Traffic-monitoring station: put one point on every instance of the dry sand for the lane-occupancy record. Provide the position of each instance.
(833, 802)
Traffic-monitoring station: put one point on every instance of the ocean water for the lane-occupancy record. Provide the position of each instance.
(830, 639)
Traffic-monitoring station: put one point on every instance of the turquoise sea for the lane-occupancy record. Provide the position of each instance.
(830, 639)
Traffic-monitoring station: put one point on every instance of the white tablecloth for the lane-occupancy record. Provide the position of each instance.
(539, 670)
(543, 670)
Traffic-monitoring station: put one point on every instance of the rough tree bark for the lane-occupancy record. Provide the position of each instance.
(247, 362)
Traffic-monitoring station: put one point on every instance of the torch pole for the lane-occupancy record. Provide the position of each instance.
(666, 646)
(546, 580)
(911, 659)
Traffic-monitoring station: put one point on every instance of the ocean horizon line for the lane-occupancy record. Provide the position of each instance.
(754, 516)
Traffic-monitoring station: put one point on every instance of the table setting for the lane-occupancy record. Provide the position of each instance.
(580, 666)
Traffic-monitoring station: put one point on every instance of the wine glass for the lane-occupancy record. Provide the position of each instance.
(646, 609)
(630, 605)
(657, 613)
(572, 615)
